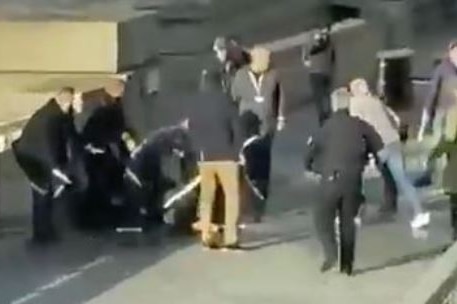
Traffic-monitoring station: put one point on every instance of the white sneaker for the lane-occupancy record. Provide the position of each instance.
(420, 220)
(358, 221)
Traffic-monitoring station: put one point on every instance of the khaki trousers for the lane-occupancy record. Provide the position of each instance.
(227, 174)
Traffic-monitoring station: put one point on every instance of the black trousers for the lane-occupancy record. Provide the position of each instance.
(453, 209)
(340, 196)
(320, 87)
(43, 223)
(261, 179)
(105, 185)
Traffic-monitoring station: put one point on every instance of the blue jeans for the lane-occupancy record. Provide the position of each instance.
(393, 161)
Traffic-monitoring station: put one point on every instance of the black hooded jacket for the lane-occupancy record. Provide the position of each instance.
(213, 121)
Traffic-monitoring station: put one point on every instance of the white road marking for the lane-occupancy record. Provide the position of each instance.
(26, 298)
(61, 280)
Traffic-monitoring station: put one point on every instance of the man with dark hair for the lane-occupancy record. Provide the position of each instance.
(214, 130)
(232, 56)
(145, 181)
(440, 99)
(319, 58)
(338, 153)
(41, 152)
(103, 132)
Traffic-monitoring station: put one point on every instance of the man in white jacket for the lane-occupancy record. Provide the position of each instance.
(372, 110)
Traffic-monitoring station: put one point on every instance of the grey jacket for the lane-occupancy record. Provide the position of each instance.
(442, 89)
(270, 106)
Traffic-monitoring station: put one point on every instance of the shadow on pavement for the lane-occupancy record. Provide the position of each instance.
(399, 261)
(276, 240)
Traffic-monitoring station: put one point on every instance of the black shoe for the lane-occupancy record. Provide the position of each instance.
(42, 241)
(328, 265)
(347, 270)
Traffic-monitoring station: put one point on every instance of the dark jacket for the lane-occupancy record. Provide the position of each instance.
(213, 123)
(147, 159)
(244, 94)
(321, 55)
(342, 145)
(442, 88)
(43, 145)
(105, 125)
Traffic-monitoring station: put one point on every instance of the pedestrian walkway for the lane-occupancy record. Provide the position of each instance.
(281, 265)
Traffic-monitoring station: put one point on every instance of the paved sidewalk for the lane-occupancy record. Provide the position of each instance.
(282, 265)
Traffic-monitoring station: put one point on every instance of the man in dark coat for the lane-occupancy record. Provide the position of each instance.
(214, 130)
(232, 57)
(319, 58)
(103, 133)
(42, 153)
(145, 181)
(338, 153)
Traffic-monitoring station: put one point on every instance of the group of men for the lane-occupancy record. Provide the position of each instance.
(230, 127)
(81, 148)
(68, 144)
(361, 124)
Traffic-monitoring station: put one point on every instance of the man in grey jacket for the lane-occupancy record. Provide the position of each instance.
(257, 89)
(371, 110)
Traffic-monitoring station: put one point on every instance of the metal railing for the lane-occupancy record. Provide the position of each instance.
(10, 131)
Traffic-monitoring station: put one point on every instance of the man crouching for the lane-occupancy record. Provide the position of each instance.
(338, 153)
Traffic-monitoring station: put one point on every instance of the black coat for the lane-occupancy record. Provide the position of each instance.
(342, 145)
(321, 54)
(214, 126)
(43, 145)
(147, 159)
(105, 126)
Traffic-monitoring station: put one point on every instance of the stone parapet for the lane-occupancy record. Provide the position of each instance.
(76, 46)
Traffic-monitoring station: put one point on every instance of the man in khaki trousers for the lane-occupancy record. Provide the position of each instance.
(214, 130)
(226, 173)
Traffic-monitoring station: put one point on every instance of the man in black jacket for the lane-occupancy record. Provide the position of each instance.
(319, 58)
(232, 57)
(103, 133)
(338, 153)
(42, 153)
(214, 130)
